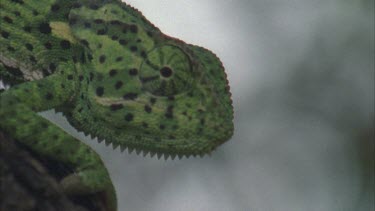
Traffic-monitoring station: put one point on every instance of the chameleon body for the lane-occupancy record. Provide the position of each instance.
(115, 76)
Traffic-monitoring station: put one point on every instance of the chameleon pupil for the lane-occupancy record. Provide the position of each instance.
(166, 72)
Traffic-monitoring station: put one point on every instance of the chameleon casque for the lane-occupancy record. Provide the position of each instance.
(113, 75)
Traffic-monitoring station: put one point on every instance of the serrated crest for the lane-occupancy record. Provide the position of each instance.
(107, 142)
(130, 150)
(173, 156)
(114, 145)
(145, 152)
(122, 148)
(166, 156)
(159, 154)
(138, 151)
(100, 140)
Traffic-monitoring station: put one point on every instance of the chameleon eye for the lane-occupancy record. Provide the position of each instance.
(166, 71)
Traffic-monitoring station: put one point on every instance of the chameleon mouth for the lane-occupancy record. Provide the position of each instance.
(145, 153)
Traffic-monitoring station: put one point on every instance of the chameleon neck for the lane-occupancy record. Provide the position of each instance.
(35, 39)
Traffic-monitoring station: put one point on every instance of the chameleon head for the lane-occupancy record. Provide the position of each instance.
(150, 92)
(177, 101)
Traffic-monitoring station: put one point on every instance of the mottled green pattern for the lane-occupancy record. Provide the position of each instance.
(115, 76)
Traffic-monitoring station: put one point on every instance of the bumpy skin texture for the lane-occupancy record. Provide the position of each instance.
(115, 76)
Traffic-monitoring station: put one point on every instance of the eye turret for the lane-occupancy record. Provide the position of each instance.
(167, 71)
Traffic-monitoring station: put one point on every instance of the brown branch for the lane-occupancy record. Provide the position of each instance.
(27, 182)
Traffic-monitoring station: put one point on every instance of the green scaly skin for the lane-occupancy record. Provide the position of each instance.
(115, 76)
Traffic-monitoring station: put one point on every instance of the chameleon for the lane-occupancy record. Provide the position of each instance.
(114, 76)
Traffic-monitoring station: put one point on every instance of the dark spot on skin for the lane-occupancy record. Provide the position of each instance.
(115, 22)
(171, 98)
(27, 29)
(133, 28)
(55, 7)
(169, 112)
(133, 48)
(101, 31)
(112, 72)
(119, 59)
(143, 54)
(83, 58)
(89, 56)
(48, 45)
(98, 21)
(162, 127)
(115, 107)
(65, 44)
(152, 100)
(49, 96)
(18, 1)
(166, 72)
(44, 28)
(202, 121)
(118, 84)
(10, 48)
(45, 72)
(73, 21)
(29, 46)
(130, 96)
(144, 124)
(123, 42)
(114, 37)
(87, 25)
(85, 43)
(70, 77)
(133, 72)
(129, 117)
(52, 67)
(32, 59)
(148, 109)
(76, 5)
(100, 91)
(94, 6)
(7, 19)
(102, 59)
(5, 34)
